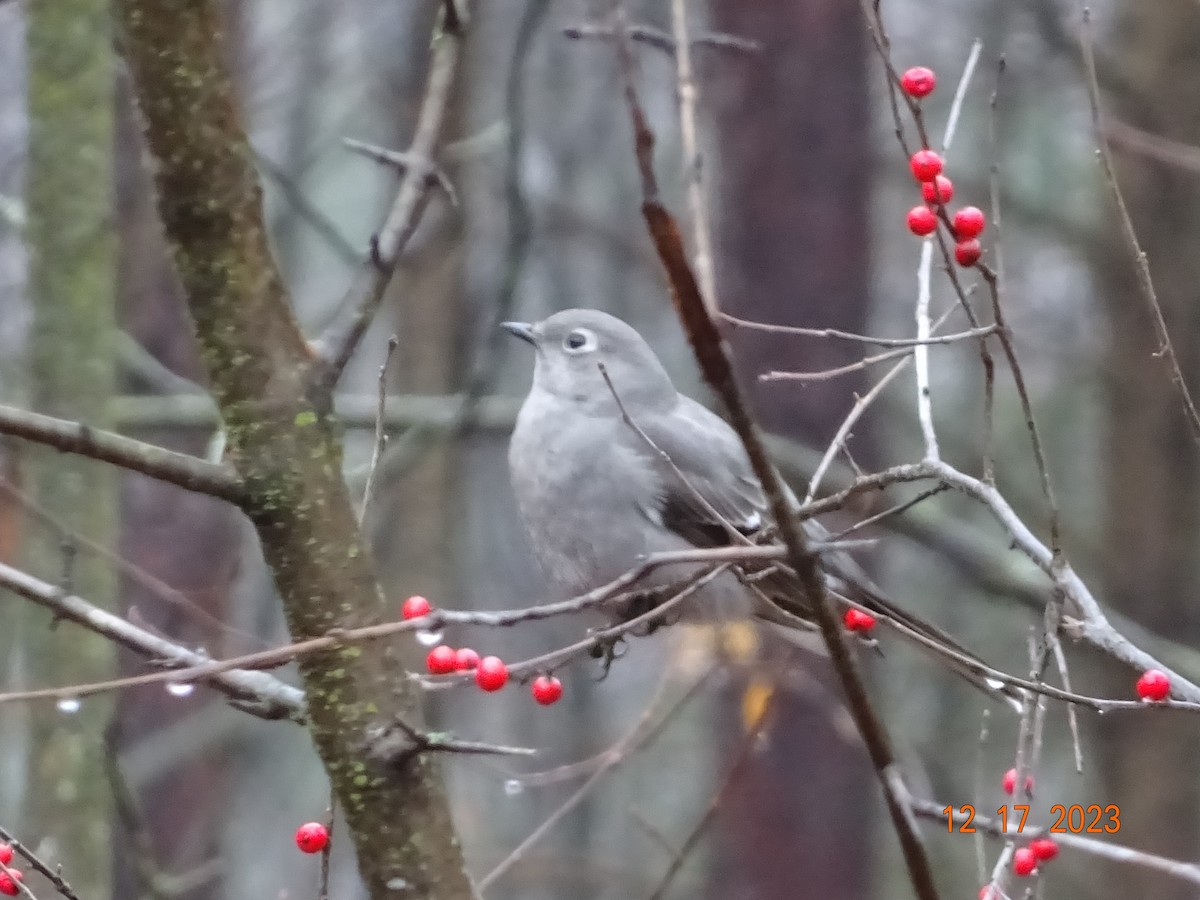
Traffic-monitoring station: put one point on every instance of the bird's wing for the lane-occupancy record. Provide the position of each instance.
(708, 478)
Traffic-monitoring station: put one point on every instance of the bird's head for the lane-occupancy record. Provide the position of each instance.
(576, 347)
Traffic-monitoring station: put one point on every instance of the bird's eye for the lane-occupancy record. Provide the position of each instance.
(579, 340)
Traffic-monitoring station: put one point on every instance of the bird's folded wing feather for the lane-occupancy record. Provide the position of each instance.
(708, 473)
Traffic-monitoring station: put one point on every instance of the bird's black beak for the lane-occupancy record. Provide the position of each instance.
(523, 330)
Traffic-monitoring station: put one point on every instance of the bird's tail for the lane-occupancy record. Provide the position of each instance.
(786, 615)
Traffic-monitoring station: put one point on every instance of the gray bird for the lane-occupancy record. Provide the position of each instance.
(597, 495)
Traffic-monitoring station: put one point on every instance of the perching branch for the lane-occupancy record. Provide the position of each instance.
(718, 372)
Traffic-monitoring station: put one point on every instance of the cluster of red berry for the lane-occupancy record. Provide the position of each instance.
(938, 190)
(9, 876)
(491, 673)
(1027, 858)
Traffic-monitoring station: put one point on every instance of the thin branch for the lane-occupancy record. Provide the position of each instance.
(259, 692)
(405, 163)
(52, 874)
(826, 374)
(337, 345)
(744, 752)
(928, 809)
(839, 439)
(188, 472)
(660, 40)
(692, 161)
(859, 338)
(380, 430)
(637, 736)
(1145, 283)
(924, 396)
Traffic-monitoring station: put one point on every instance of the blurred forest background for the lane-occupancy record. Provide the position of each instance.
(150, 793)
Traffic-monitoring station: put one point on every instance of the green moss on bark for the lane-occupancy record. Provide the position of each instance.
(69, 198)
(257, 362)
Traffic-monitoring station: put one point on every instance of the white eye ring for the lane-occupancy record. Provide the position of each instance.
(579, 340)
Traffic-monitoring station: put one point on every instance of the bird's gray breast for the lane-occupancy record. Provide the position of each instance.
(588, 495)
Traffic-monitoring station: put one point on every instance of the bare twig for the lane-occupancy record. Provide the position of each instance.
(53, 875)
(859, 338)
(258, 691)
(826, 374)
(405, 163)
(692, 161)
(337, 345)
(639, 735)
(330, 819)
(189, 472)
(741, 758)
(839, 439)
(924, 397)
(1166, 349)
(660, 40)
(380, 430)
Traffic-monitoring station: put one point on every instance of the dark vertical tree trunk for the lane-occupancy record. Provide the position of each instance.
(792, 249)
(1153, 490)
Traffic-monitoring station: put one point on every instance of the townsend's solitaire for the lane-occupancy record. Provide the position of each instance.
(597, 496)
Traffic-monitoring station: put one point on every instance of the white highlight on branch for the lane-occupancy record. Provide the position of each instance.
(921, 353)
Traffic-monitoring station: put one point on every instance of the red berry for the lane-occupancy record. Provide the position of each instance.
(968, 223)
(466, 659)
(312, 837)
(441, 660)
(921, 221)
(6, 853)
(1153, 685)
(941, 188)
(985, 893)
(857, 620)
(491, 674)
(926, 165)
(968, 252)
(918, 82)
(1044, 848)
(8, 882)
(1024, 862)
(1009, 782)
(415, 607)
(546, 689)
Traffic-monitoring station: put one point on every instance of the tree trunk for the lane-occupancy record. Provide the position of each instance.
(792, 242)
(260, 368)
(71, 285)
(1153, 490)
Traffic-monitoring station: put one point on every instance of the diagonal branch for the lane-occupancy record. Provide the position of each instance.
(264, 694)
(1166, 349)
(337, 345)
(189, 472)
(718, 372)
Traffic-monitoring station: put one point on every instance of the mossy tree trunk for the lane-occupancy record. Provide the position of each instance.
(289, 454)
(72, 279)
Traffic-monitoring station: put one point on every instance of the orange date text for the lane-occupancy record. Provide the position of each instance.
(1073, 819)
